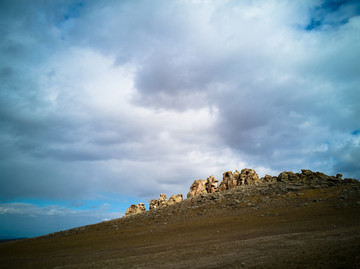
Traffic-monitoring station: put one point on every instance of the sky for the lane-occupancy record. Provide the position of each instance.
(104, 104)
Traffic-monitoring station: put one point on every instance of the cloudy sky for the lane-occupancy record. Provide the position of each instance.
(108, 103)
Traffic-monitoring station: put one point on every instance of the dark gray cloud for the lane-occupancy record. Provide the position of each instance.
(138, 98)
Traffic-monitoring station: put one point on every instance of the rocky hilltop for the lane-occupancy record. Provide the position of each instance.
(247, 177)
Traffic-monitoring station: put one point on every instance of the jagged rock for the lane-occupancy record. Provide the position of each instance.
(211, 184)
(135, 209)
(236, 176)
(317, 176)
(268, 179)
(162, 200)
(154, 204)
(248, 177)
(288, 176)
(176, 198)
(228, 181)
(197, 188)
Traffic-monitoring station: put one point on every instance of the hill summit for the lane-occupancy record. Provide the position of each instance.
(247, 177)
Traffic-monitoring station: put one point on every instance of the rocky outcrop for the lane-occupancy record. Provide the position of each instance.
(248, 177)
(308, 176)
(288, 176)
(176, 198)
(211, 184)
(232, 180)
(229, 181)
(268, 179)
(197, 188)
(286, 181)
(162, 200)
(135, 209)
(154, 204)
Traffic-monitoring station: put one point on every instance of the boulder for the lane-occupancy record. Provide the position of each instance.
(197, 188)
(162, 200)
(248, 177)
(154, 204)
(211, 184)
(290, 176)
(268, 179)
(135, 209)
(176, 198)
(228, 181)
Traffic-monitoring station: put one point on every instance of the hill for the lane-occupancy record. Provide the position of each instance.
(289, 221)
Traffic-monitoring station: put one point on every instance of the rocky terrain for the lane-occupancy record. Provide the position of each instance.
(293, 220)
(247, 177)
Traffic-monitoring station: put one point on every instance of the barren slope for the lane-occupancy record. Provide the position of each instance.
(280, 225)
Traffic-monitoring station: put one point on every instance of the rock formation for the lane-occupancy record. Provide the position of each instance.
(176, 198)
(229, 181)
(135, 209)
(248, 177)
(153, 204)
(268, 179)
(244, 178)
(211, 184)
(162, 200)
(288, 176)
(197, 188)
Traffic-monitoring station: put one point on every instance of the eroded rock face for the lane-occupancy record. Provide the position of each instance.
(162, 200)
(176, 198)
(154, 204)
(248, 177)
(197, 188)
(229, 181)
(288, 176)
(268, 179)
(135, 209)
(211, 184)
